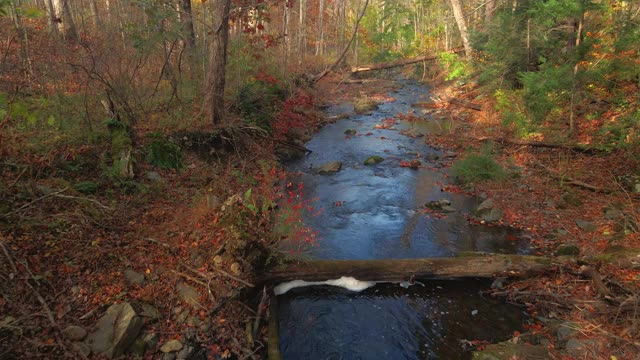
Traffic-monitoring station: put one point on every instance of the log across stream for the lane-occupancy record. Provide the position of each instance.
(373, 228)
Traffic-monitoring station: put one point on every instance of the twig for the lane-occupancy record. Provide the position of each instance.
(84, 198)
(570, 181)
(256, 322)
(34, 201)
(158, 242)
(189, 277)
(9, 258)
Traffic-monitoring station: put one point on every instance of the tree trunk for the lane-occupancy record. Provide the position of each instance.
(464, 34)
(187, 24)
(70, 30)
(489, 9)
(302, 41)
(476, 266)
(218, 60)
(53, 18)
(320, 42)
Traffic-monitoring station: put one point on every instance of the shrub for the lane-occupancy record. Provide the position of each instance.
(478, 167)
(164, 154)
(454, 66)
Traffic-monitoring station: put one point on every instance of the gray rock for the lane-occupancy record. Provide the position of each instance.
(565, 330)
(330, 168)
(586, 225)
(579, 348)
(138, 348)
(372, 160)
(151, 341)
(567, 250)
(611, 213)
(235, 268)
(81, 348)
(182, 317)
(169, 356)
(133, 277)
(74, 333)
(115, 331)
(217, 260)
(188, 294)
(487, 211)
(442, 205)
(350, 132)
(185, 353)
(149, 311)
(568, 200)
(171, 346)
(153, 176)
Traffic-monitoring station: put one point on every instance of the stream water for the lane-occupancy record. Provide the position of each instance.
(374, 212)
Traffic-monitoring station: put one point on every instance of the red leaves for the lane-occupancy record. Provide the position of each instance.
(413, 164)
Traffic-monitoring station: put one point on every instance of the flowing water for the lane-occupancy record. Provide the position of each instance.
(375, 212)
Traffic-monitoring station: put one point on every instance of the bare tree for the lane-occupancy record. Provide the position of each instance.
(462, 26)
(187, 23)
(218, 59)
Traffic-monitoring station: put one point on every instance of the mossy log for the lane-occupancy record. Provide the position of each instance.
(471, 266)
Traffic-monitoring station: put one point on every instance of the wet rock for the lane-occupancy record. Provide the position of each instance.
(372, 160)
(414, 164)
(508, 351)
(115, 331)
(350, 132)
(81, 348)
(488, 212)
(133, 277)
(586, 225)
(188, 294)
(330, 168)
(443, 205)
(74, 333)
(171, 346)
(287, 153)
(364, 105)
(567, 250)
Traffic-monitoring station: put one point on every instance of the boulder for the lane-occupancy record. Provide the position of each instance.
(350, 132)
(488, 212)
(115, 331)
(330, 168)
(372, 160)
(74, 333)
(442, 205)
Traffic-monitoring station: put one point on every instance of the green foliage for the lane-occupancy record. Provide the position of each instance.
(456, 68)
(86, 187)
(164, 153)
(622, 133)
(258, 102)
(478, 167)
(509, 104)
(546, 90)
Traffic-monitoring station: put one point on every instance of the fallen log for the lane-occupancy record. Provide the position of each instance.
(542, 144)
(465, 103)
(397, 63)
(473, 266)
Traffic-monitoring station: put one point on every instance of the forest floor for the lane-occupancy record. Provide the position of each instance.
(177, 245)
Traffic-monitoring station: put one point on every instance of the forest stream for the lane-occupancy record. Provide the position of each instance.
(377, 211)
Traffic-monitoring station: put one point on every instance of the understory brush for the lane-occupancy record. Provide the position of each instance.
(477, 167)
